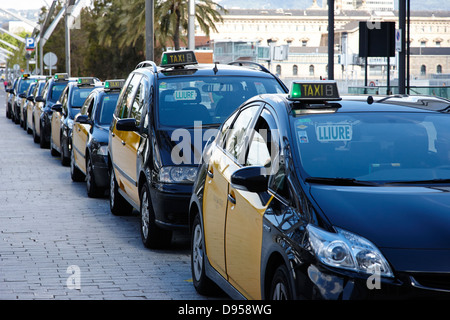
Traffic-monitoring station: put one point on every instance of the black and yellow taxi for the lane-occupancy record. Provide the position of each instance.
(20, 90)
(10, 96)
(152, 151)
(30, 105)
(315, 196)
(89, 152)
(43, 107)
(63, 113)
(26, 97)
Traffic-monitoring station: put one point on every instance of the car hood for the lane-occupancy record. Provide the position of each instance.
(191, 141)
(409, 224)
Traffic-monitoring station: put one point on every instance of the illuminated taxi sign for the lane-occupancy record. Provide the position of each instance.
(114, 84)
(25, 75)
(314, 90)
(178, 58)
(85, 81)
(61, 76)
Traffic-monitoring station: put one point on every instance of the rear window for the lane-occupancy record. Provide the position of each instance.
(56, 91)
(209, 100)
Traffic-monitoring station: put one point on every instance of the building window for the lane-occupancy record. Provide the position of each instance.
(438, 68)
(311, 70)
(423, 44)
(304, 43)
(278, 70)
(295, 70)
(438, 44)
(423, 70)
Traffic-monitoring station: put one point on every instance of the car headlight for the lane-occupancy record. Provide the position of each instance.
(70, 124)
(178, 174)
(102, 150)
(349, 251)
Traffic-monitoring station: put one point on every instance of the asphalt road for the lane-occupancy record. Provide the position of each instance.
(56, 243)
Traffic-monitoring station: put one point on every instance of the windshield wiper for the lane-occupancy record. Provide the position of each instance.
(431, 181)
(340, 181)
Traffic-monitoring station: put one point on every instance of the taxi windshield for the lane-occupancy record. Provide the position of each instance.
(56, 91)
(376, 147)
(24, 84)
(77, 99)
(107, 105)
(209, 100)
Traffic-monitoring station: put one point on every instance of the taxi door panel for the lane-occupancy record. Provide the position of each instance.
(56, 132)
(244, 224)
(215, 207)
(80, 133)
(130, 144)
(119, 159)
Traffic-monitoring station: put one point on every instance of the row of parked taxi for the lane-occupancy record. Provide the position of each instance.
(287, 193)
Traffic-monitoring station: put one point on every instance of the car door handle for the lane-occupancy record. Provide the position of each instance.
(210, 173)
(231, 199)
(123, 143)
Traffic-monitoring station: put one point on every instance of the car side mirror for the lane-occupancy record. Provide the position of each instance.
(39, 99)
(57, 107)
(30, 98)
(128, 124)
(83, 119)
(252, 178)
(22, 95)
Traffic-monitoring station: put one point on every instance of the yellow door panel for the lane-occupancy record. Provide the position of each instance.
(55, 130)
(79, 138)
(215, 207)
(243, 240)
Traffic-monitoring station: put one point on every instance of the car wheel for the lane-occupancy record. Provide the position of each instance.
(93, 190)
(65, 161)
(35, 136)
(202, 283)
(280, 288)
(42, 143)
(152, 236)
(75, 173)
(117, 204)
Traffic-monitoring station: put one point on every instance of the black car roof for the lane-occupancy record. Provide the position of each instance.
(361, 103)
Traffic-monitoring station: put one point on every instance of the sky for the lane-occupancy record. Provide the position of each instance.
(24, 4)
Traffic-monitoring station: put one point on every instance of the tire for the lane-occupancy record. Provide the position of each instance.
(75, 173)
(42, 142)
(65, 161)
(93, 191)
(280, 288)
(152, 236)
(202, 284)
(117, 204)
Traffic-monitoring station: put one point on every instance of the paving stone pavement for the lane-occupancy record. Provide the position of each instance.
(56, 243)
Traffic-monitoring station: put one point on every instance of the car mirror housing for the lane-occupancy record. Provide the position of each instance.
(128, 124)
(30, 98)
(57, 107)
(39, 99)
(83, 119)
(252, 178)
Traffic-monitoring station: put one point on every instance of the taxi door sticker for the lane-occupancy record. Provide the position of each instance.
(334, 132)
(303, 137)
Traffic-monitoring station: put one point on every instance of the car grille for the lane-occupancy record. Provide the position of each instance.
(431, 281)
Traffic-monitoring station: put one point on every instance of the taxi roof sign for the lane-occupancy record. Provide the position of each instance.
(85, 81)
(61, 76)
(114, 84)
(321, 90)
(178, 58)
(25, 75)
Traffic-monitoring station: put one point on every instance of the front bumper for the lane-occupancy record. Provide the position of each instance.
(317, 282)
(171, 204)
(101, 171)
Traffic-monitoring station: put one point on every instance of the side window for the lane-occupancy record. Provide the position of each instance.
(124, 104)
(64, 101)
(86, 104)
(236, 138)
(140, 98)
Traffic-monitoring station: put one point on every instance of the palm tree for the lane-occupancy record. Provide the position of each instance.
(171, 20)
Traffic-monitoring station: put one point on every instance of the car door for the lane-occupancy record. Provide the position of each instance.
(135, 138)
(80, 134)
(56, 123)
(223, 162)
(245, 211)
(121, 140)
